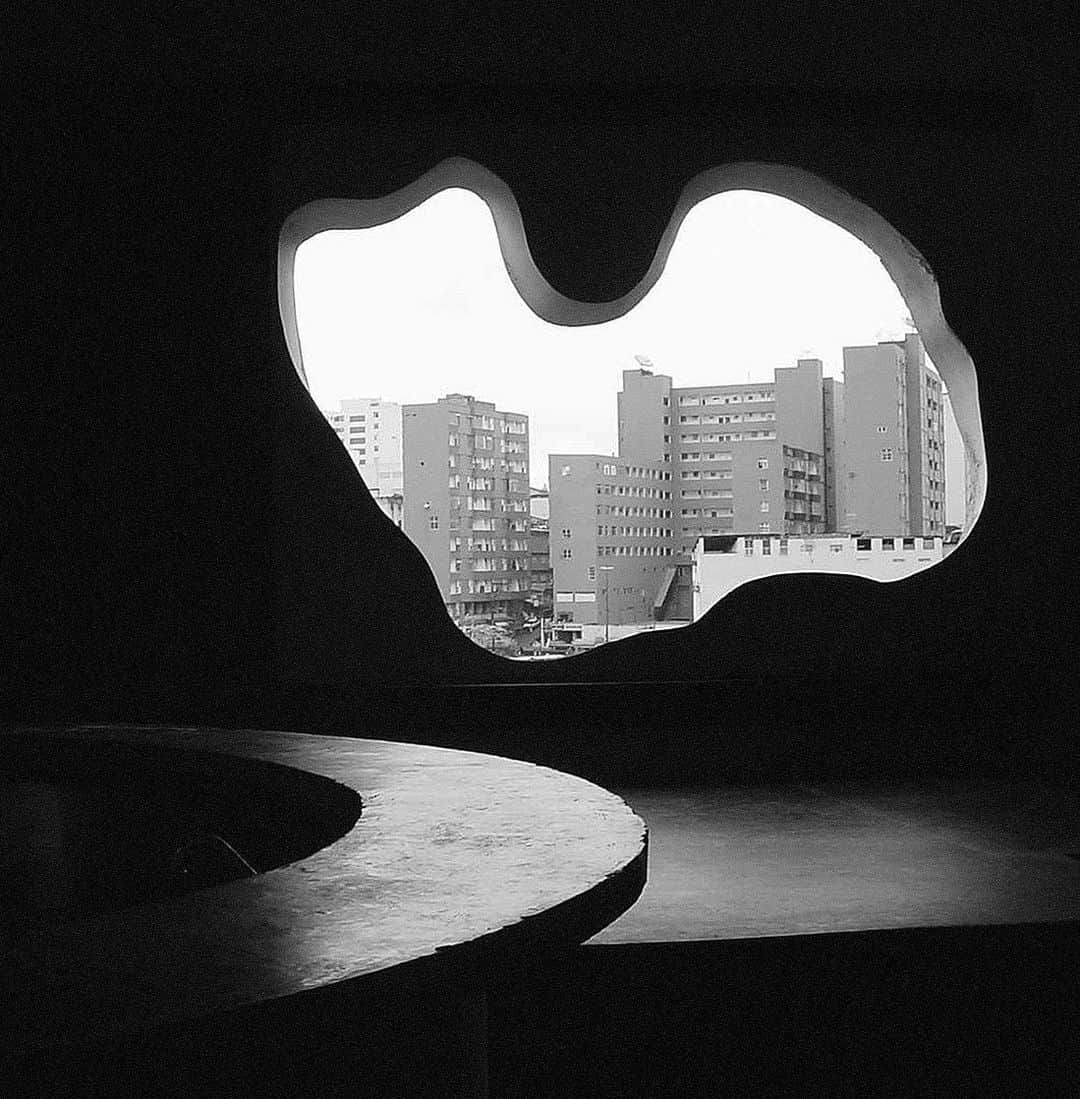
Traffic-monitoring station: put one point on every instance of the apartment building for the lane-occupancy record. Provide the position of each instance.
(370, 428)
(742, 457)
(466, 502)
(612, 539)
(893, 441)
(966, 507)
(541, 578)
(832, 407)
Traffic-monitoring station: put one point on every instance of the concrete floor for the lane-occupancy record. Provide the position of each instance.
(734, 863)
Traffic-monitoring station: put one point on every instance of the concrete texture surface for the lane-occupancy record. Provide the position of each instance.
(788, 860)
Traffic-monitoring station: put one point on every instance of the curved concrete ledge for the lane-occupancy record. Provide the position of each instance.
(907, 268)
(455, 854)
(95, 827)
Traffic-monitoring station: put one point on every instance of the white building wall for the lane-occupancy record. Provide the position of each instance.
(370, 429)
(718, 574)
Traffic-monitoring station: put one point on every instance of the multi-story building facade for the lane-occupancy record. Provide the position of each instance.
(370, 428)
(742, 457)
(612, 539)
(893, 441)
(966, 504)
(832, 407)
(541, 577)
(466, 507)
(925, 400)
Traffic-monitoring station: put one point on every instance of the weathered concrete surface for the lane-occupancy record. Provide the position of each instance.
(453, 850)
(729, 863)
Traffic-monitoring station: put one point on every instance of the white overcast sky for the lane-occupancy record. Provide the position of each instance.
(423, 306)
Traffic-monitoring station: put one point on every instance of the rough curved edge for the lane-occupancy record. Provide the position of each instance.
(100, 979)
(312, 810)
(906, 267)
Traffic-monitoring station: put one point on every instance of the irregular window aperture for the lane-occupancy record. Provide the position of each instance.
(767, 406)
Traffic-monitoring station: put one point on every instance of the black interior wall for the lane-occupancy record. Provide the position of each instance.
(178, 497)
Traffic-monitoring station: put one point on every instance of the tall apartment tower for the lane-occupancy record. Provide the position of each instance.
(466, 486)
(645, 415)
(894, 441)
(926, 440)
(743, 458)
(370, 428)
(832, 407)
(962, 509)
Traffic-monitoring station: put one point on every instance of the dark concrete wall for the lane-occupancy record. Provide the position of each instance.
(190, 542)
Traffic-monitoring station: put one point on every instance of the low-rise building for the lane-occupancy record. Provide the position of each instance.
(723, 563)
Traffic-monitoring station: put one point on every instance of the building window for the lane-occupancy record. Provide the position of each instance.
(764, 505)
(862, 545)
(928, 543)
(886, 454)
(592, 572)
(766, 543)
(433, 522)
(783, 547)
(909, 543)
(882, 430)
(763, 484)
(567, 554)
(748, 547)
(763, 463)
(566, 532)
